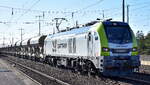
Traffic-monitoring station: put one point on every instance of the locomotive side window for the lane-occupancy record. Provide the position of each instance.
(96, 36)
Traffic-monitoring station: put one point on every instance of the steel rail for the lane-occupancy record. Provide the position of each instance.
(143, 82)
(43, 74)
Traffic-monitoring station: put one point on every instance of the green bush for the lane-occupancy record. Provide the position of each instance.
(143, 42)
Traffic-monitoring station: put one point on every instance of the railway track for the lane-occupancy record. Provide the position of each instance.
(137, 78)
(63, 74)
(143, 82)
(47, 79)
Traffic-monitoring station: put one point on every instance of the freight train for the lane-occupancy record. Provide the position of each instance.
(104, 47)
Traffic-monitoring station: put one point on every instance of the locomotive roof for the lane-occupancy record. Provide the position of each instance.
(117, 23)
(73, 31)
(87, 28)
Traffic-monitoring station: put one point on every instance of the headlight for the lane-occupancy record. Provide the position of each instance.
(134, 49)
(105, 49)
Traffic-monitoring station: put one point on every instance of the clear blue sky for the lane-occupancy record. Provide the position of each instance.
(86, 10)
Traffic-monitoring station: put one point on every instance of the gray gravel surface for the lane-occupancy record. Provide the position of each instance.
(145, 57)
(67, 75)
(145, 69)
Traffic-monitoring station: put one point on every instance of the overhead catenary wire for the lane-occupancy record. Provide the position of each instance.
(27, 10)
(82, 11)
(16, 8)
(26, 2)
(135, 9)
(137, 4)
(57, 11)
(91, 5)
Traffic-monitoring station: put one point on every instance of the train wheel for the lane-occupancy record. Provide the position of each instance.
(41, 60)
(55, 62)
(75, 67)
(46, 60)
(88, 68)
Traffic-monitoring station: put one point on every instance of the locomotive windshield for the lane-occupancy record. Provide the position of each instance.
(118, 34)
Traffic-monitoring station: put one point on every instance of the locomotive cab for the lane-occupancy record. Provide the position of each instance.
(118, 49)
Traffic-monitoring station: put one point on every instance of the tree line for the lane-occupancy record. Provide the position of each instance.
(143, 42)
